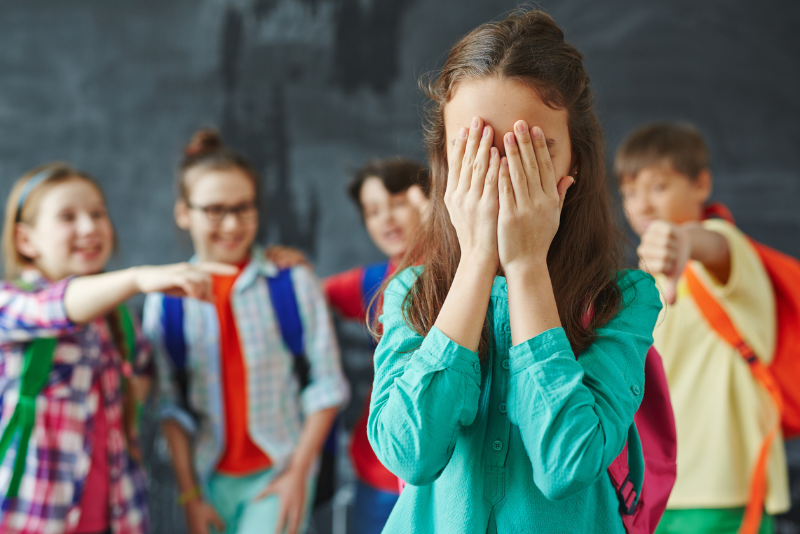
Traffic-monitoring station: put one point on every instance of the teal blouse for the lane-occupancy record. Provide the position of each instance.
(519, 442)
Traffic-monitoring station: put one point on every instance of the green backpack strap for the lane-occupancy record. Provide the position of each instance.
(129, 331)
(130, 345)
(38, 362)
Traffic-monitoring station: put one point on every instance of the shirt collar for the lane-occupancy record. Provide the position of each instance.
(34, 277)
(259, 266)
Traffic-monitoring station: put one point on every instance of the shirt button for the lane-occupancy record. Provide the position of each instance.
(477, 367)
(502, 407)
(497, 445)
(635, 390)
(505, 364)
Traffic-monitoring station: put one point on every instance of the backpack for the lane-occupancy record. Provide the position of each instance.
(643, 488)
(37, 364)
(779, 378)
(284, 302)
(374, 276)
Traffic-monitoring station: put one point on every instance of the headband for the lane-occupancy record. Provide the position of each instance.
(35, 180)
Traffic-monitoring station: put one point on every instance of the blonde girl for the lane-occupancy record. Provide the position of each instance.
(78, 475)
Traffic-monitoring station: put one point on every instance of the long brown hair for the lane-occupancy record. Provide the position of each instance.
(588, 249)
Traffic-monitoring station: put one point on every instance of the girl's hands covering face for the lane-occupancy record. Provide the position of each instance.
(530, 199)
(471, 193)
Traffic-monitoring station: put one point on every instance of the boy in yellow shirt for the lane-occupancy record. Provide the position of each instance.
(722, 414)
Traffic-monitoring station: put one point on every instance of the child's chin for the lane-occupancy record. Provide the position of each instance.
(226, 255)
(82, 267)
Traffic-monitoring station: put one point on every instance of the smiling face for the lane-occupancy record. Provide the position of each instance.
(390, 219)
(70, 234)
(500, 103)
(228, 239)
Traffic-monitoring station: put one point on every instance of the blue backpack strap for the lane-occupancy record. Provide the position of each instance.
(284, 302)
(374, 276)
(175, 343)
(174, 337)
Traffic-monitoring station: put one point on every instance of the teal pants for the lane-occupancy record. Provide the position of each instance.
(234, 499)
(708, 521)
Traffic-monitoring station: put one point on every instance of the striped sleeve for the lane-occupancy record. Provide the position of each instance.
(328, 387)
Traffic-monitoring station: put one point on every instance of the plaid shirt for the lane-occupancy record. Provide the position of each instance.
(275, 405)
(59, 451)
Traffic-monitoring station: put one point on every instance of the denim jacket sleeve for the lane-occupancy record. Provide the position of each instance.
(425, 389)
(574, 414)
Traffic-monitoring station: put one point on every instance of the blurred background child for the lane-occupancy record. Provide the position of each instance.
(244, 426)
(722, 414)
(392, 198)
(77, 472)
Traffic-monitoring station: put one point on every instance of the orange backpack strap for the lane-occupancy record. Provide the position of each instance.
(718, 319)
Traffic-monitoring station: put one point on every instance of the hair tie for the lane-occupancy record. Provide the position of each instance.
(193, 150)
(35, 180)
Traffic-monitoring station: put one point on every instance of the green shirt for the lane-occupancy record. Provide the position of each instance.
(519, 442)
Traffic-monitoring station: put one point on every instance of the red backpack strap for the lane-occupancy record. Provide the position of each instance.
(719, 211)
(719, 321)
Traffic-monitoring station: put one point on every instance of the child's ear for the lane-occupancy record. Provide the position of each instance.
(181, 212)
(23, 241)
(704, 185)
(417, 197)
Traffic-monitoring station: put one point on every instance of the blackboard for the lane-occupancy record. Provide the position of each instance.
(310, 89)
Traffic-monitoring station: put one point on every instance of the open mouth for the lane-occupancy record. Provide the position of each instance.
(229, 243)
(89, 251)
(393, 235)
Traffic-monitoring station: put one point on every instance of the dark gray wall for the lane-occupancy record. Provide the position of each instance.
(310, 89)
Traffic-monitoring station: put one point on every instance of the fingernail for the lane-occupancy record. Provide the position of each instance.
(494, 152)
(521, 126)
(486, 131)
(462, 133)
(474, 122)
(537, 132)
(504, 162)
(510, 139)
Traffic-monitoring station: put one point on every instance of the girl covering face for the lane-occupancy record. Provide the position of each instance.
(479, 401)
(77, 470)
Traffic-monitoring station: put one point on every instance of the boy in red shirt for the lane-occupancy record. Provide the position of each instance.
(392, 196)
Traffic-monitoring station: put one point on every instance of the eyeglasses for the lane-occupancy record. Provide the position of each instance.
(245, 212)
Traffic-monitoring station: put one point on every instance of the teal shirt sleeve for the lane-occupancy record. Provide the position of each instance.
(425, 389)
(574, 414)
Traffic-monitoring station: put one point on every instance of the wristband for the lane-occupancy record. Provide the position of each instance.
(189, 495)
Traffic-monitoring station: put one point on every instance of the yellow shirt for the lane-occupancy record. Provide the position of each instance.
(721, 413)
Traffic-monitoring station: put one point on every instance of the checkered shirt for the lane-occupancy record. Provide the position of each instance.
(276, 407)
(59, 451)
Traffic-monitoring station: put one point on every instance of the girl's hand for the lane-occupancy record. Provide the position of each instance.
(471, 193)
(285, 257)
(181, 279)
(290, 489)
(531, 199)
(199, 515)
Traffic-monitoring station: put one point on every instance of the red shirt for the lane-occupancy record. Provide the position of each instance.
(95, 512)
(240, 456)
(346, 295)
